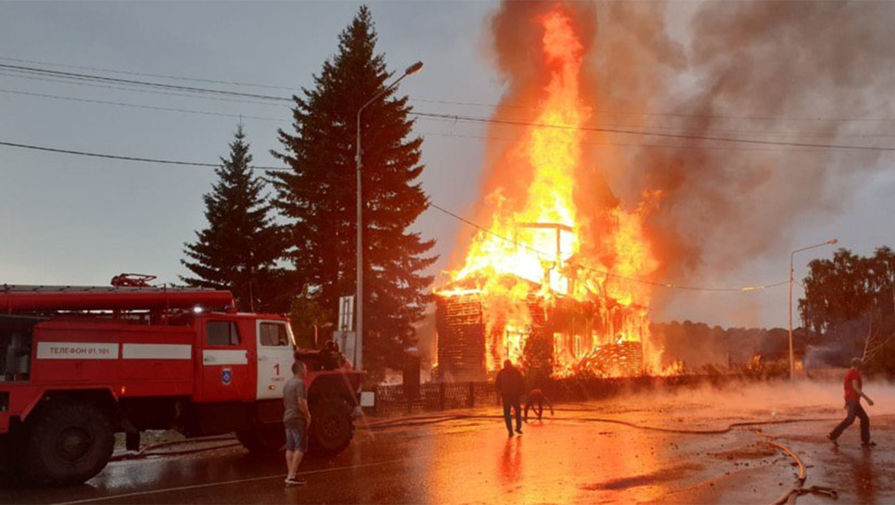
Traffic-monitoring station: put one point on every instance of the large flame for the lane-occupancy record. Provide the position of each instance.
(536, 252)
(553, 154)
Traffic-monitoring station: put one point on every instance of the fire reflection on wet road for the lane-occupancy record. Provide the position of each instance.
(571, 458)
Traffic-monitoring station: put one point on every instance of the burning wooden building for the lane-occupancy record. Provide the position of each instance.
(548, 333)
(553, 279)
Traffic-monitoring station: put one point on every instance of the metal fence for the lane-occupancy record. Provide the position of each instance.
(435, 396)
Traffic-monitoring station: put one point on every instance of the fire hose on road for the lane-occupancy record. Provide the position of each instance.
(790, 496)
(799, 489)
(146, 451)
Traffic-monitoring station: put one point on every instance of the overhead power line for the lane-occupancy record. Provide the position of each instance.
(422, 133)
(145, 74)
(116, 80)
(448, 102)
(455, 117)
(636, 144)
(120, 157)
(138, 106)
(665, 114)
(153, 91)
(92, 78)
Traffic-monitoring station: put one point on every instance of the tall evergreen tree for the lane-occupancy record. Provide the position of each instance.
(239, 249)
(317, 196)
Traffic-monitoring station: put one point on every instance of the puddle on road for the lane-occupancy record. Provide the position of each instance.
(647, 479)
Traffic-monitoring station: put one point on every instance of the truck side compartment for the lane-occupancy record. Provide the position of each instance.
(135, 360)
(15, 347)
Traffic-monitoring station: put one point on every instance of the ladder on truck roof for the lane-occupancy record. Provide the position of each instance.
(17, 298)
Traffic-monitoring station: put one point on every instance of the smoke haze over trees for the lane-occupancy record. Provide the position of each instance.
(702, 347)
(851, 299)
(848, 308)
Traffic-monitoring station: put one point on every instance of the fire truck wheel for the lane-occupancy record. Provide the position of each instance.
(263, 439)
(331, 427)
(5, 458)
(68, 443)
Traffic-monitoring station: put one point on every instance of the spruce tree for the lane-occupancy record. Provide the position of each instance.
(239, 249)
(317, 196)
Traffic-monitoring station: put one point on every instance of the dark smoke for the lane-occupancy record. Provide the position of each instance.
(783, 71)
(760, 70)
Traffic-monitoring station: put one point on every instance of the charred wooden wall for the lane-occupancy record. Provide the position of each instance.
(462, 341)
(461, 338)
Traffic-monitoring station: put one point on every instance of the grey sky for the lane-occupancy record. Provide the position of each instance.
(67, 219)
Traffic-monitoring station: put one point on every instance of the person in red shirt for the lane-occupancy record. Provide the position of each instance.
(853, 394)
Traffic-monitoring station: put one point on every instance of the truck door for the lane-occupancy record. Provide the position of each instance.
(226, 370)
(275, 357)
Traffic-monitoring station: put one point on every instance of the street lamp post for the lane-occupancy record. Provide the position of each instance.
(358, 161)
(792, 370)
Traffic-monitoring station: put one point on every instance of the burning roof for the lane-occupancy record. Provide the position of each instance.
(553, 281)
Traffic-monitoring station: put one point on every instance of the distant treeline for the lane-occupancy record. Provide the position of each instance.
(698, 344)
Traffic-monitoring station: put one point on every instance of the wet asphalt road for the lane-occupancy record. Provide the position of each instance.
(585, 454)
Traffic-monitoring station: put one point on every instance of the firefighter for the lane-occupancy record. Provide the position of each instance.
(330, 357)
(510, 386)
(535, 402)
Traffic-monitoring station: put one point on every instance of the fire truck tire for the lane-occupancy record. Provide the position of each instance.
(331, 427)
(68, 443)
(264, 439)
(5, 457)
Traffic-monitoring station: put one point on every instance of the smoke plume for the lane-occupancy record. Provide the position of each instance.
(799, 72)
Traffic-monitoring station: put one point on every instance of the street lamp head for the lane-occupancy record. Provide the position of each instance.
(412, 69)
(833, 241)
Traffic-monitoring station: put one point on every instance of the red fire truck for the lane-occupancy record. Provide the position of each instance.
(78, 364)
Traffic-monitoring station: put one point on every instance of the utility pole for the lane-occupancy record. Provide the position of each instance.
(358, 161)
(792, 362)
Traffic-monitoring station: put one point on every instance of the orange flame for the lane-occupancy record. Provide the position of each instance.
(539, 250)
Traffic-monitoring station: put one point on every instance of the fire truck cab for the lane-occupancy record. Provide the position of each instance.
(79, 364)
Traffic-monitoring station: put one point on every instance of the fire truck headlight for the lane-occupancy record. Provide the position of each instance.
(198, 309)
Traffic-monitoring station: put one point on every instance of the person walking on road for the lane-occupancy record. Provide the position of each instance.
(296, 420)
(535, 401)
(511, 386)
(853, 394)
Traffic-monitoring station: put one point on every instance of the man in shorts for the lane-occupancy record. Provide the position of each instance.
(296, 420)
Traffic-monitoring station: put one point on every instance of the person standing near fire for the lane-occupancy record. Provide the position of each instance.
(510, 386)
(853, 394)
(296, 421)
